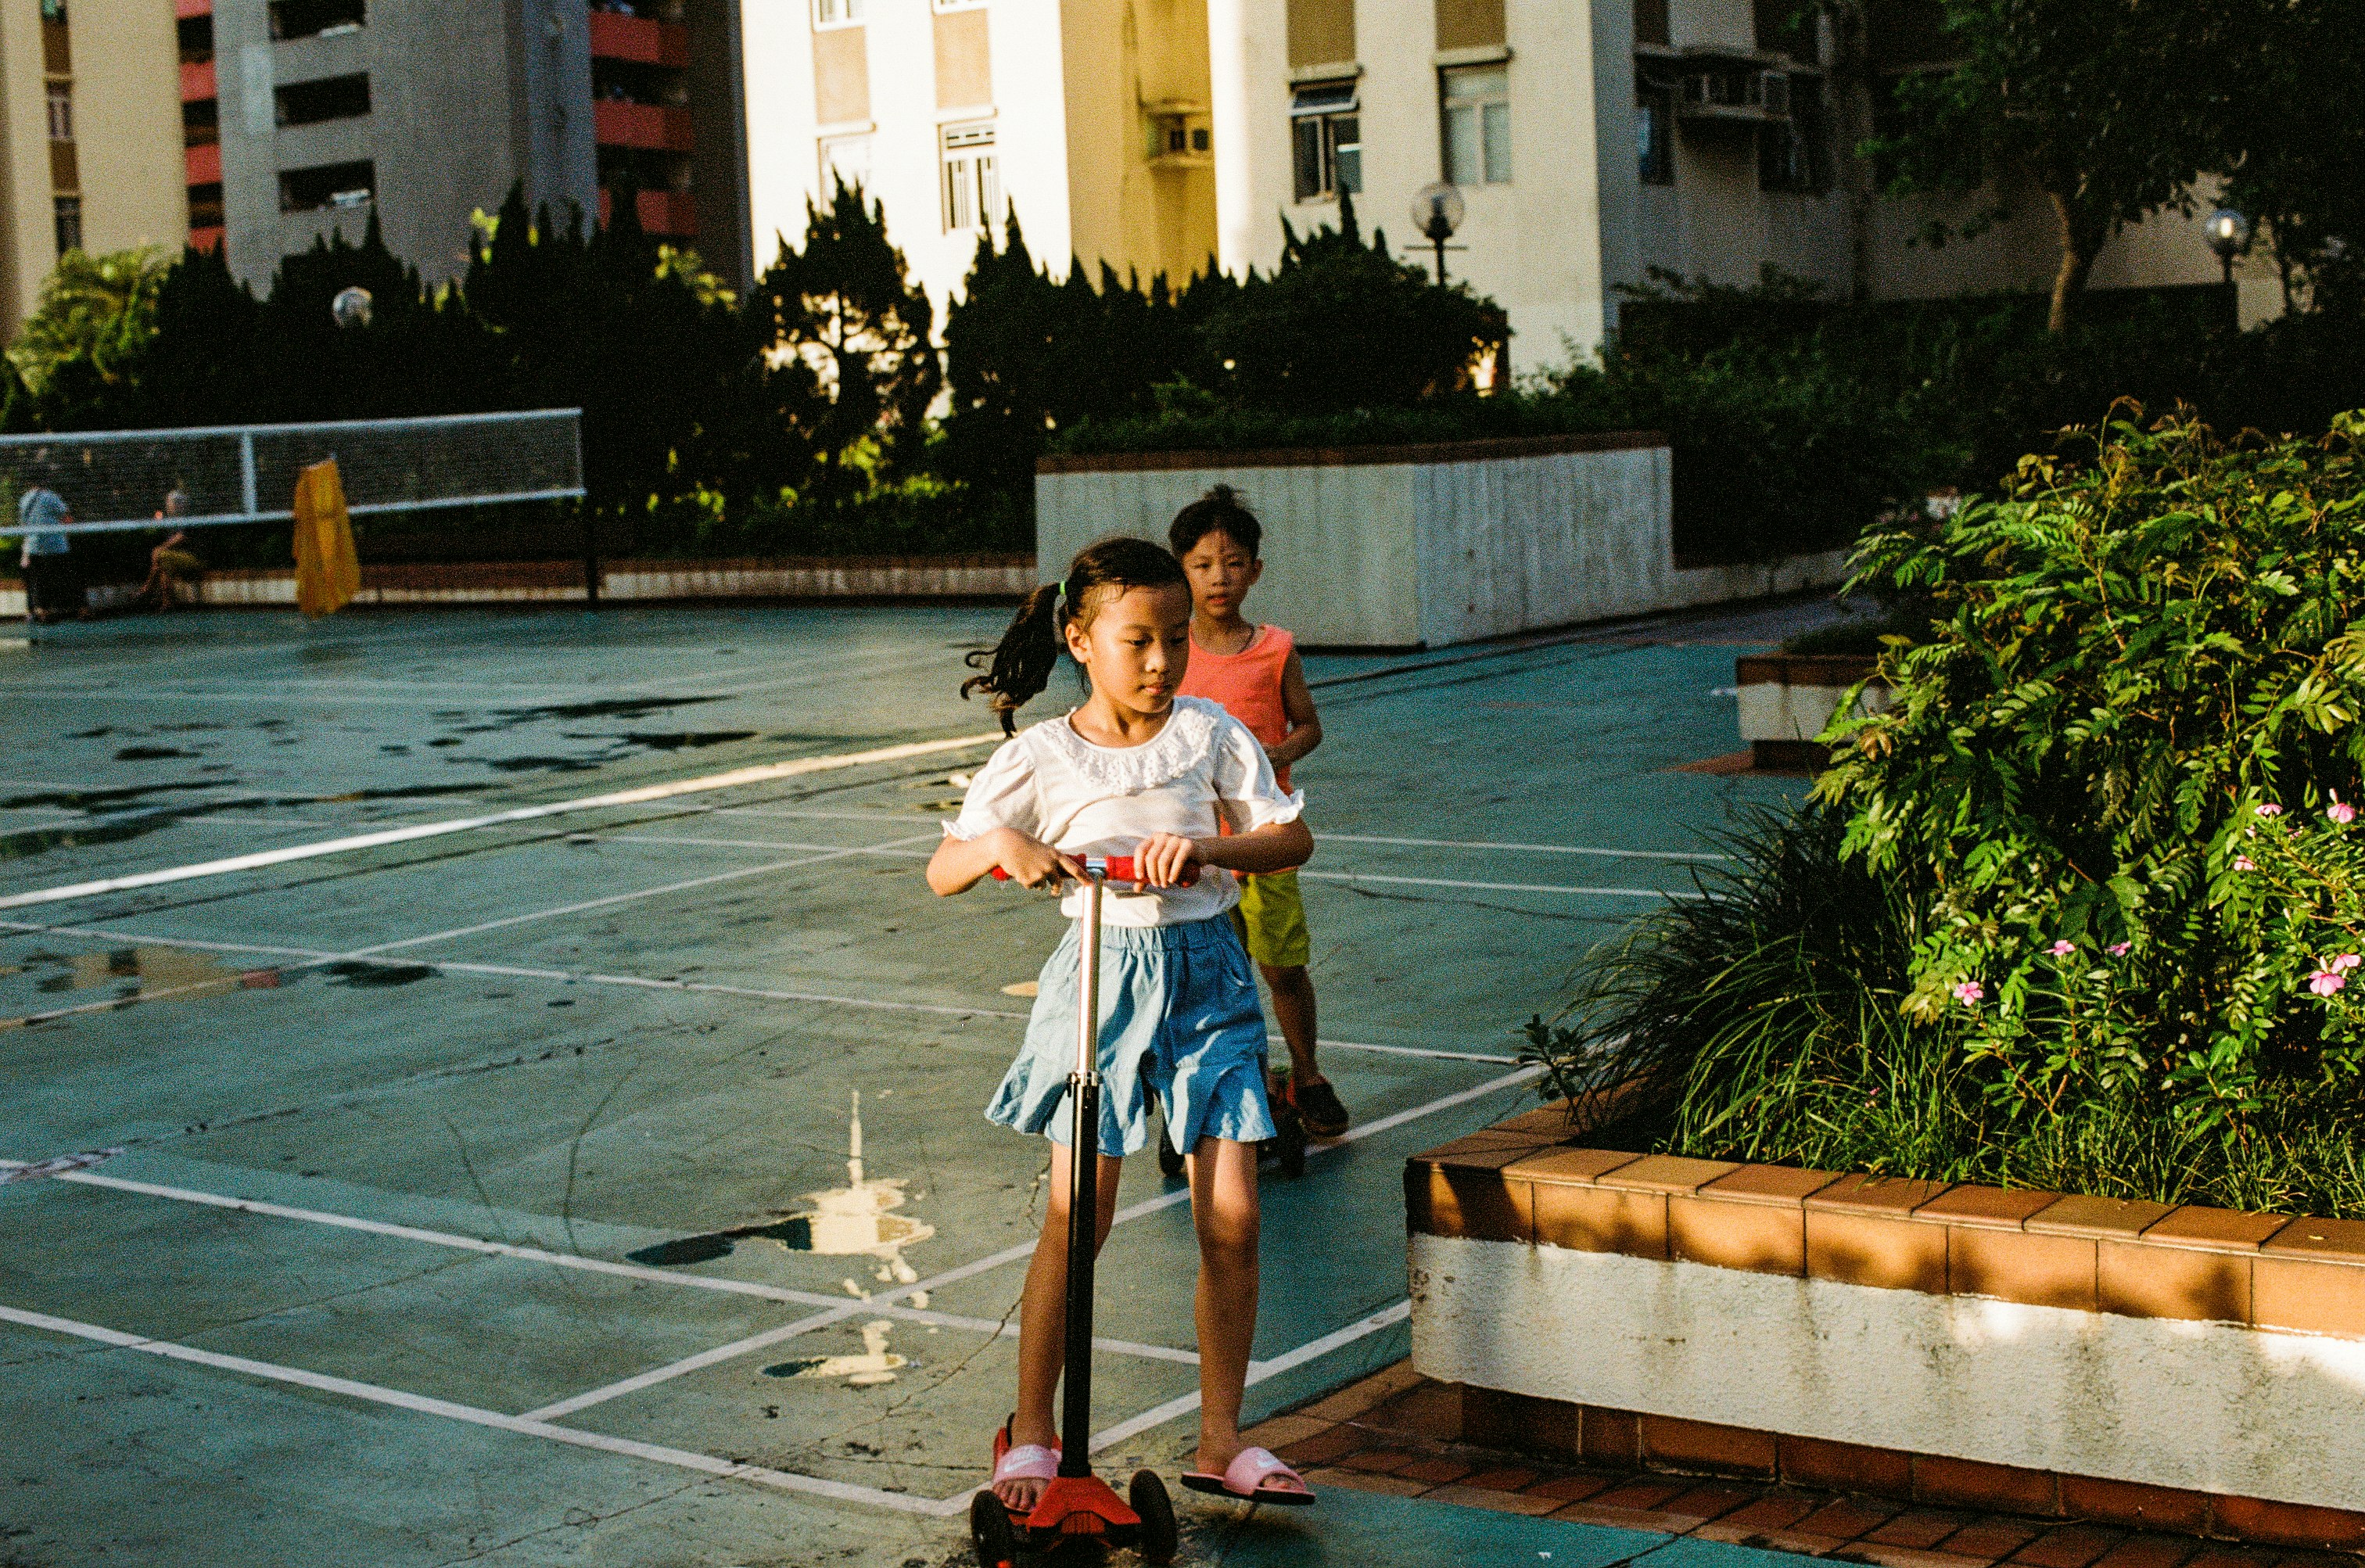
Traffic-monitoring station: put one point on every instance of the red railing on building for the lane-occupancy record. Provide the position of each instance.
(206, 238)
(184, 9)
(672, 214)
(204, 163)
(197, 83)
(615, 123)
(641, 38)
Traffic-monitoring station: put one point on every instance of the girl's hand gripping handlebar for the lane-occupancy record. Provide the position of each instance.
(1107, 867)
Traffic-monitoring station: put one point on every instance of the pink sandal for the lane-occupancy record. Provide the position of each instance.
(1255, 1475)
(1022, 1461)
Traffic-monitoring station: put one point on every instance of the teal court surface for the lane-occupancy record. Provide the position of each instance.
(606, 1181)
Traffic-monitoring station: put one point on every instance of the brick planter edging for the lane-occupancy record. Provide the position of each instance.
(1525, 1181)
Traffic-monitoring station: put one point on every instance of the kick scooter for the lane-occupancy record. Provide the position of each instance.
(1077, 1502)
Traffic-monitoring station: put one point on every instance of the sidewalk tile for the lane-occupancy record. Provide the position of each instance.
(2072, 1546)
(1362, 1481)
(1501, 1502)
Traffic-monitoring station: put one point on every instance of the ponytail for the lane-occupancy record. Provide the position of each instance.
(1020, 665)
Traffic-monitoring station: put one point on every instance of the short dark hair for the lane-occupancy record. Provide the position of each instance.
(1220, 511)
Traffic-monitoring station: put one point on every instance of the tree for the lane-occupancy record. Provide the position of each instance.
(1338, 324)
(845, 306)
(2111, 109)
(2297, 142)
(94, 316)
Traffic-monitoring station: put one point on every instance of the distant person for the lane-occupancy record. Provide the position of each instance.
(169, 567)
(53, 588)
(1255, 673)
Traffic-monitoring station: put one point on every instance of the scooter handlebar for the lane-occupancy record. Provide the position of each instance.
(1109, 867)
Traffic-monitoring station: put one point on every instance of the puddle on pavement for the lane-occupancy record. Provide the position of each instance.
(876, 1364)
(359, 974)
(853, 1221)
(128, 972)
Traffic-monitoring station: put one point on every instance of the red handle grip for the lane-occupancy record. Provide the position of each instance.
(1112, 868)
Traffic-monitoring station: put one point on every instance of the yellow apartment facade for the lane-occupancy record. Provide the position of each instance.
(90, 137)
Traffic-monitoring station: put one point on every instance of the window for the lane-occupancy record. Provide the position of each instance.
(206, 207)
(972, 186)
(1654, 126)
(328, 185)
(1477, 113)
(845, 158)
(1325, 140)
(317, 18)
(201, 122)
(1651, 22)
(196, 40)
(66, 212)
(1795, 153)
(836, 13)
(332, 97)
(62, 111)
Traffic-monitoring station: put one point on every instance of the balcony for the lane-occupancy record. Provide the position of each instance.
(659, 127)
(205, 164)
(642, 40)
(207, 239)
(197, 83)
(184, 9)
(671, 215)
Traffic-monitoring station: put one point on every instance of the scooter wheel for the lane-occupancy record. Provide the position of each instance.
(1159, 1537)
(991, 1531)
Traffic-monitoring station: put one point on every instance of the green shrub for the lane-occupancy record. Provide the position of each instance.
(2084, 907)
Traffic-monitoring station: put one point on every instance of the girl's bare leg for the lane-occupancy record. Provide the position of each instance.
(1222, 1175)
(1043, 1318)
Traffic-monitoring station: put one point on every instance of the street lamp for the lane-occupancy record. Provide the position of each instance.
(1437, 212)
(350, 307)
(2228, 233)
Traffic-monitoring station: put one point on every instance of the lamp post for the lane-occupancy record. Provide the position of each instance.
(2228, 233)
(1437, 212)
(350, 307)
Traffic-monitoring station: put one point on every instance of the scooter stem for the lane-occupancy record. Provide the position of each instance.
(1084, 1191)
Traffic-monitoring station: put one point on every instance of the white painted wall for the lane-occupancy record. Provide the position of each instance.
(2206, 1406)
(1399, 554)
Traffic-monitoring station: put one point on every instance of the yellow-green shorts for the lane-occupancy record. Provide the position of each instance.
(1272, 918)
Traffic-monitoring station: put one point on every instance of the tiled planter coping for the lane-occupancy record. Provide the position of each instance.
(2187, 1367)
(1787, 699)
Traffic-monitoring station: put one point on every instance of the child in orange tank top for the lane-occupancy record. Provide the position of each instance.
(1254, 672)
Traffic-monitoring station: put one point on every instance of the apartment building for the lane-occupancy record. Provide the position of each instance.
(300, 116)
(1591, 141)
(86, 139)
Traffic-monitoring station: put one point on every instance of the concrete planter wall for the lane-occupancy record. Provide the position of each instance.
(997, 579)
(2191, 1369)
(1787, 699)
(1411, 546)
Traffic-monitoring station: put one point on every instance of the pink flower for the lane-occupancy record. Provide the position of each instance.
(2062, 950)
(2119, 949)
(1969, 992)
(2340, 811)
(2269, 810)
(2324, 982)
(2343, 964)
(2244, 863)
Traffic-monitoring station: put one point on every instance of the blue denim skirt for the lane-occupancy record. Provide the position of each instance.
(1179, 1020)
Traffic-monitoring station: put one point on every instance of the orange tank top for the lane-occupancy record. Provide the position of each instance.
(1247, 685)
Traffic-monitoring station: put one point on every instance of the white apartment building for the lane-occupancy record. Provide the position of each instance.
(1591, 139)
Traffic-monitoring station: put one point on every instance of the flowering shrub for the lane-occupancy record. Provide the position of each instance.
(2122, 764)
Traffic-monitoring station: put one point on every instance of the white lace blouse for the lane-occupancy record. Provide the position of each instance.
(1054, 786)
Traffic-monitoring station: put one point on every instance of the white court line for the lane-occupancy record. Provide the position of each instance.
(1013, 1254)
(838, 1306)
(314, 956)
(1357, 877)
(316, 960)
(1159, 1415)
(1523, 848)
(373, 1394)
(735, 779)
